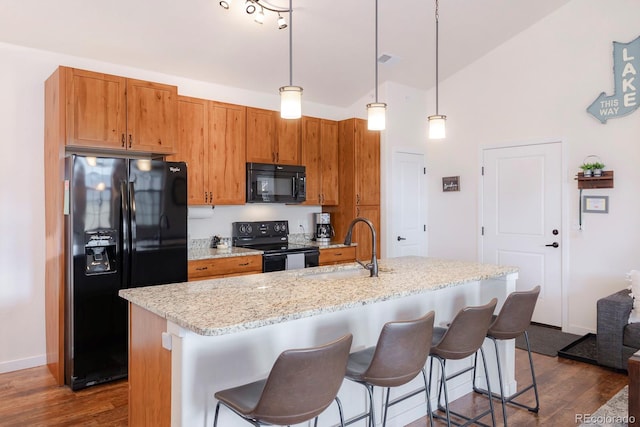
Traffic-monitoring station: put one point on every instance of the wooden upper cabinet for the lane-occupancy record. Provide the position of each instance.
(96, 107)
(105, 111)
(288, 147)
(367, 155)
(227, 153)
(319, 154)
(192, 146)
(310, 148)
(211, 139)
(271, 139)
(151, 116)
(261, 135)
(329, 162)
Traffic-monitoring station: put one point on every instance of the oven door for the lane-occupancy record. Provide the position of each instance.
(267, 183)
(274, 262)
(290, 261)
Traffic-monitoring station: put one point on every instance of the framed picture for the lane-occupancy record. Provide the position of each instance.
(451, 183)
(595, 204)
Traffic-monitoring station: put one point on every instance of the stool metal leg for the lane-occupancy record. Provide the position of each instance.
(510, 399)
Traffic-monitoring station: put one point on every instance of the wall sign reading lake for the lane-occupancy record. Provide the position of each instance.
(625, 99)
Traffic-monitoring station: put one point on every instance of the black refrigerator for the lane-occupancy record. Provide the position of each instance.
(126, 226)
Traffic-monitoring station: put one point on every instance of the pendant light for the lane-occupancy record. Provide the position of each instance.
(437, 122)
(290, 96)
(376, 111)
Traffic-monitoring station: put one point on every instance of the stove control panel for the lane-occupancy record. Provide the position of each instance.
(260, 229)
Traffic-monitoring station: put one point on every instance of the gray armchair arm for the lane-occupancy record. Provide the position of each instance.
(613, 315)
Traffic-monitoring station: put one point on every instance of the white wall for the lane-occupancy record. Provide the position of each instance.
(536, 87)
(22, 76)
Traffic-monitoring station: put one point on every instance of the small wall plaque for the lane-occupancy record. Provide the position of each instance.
(595, 204)
(451, 183)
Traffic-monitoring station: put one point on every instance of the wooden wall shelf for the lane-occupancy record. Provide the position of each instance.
(604, 181)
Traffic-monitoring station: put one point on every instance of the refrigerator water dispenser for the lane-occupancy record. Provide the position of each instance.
(100, 252)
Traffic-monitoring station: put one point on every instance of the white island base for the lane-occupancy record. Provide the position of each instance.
(173, 379)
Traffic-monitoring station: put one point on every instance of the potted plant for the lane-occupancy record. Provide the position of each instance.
(587, 169)
(597, 168)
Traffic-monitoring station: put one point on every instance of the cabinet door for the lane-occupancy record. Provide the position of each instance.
(288, 147)
(329, 162)
(367, 163)
(192, 146)
(96, 109)
(362, 234)
(310, 147)
(151, 116)
(261, 135)
(227, 144)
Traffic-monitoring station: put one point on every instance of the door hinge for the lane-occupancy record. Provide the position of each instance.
(482, 230)
(482, 172)
(424, 227)
(424, 171)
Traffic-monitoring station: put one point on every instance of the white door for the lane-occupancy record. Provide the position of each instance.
(521, 219)
(408, 206)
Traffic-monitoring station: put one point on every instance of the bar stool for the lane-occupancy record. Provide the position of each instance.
(463, 338)
(398, 357)
(510, 323)
(301, 385)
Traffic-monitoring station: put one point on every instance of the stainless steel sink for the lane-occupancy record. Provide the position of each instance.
(340, 274)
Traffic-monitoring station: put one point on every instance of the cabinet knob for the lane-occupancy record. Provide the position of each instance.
(202, 268)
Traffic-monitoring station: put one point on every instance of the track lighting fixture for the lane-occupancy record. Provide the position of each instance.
(258, 7)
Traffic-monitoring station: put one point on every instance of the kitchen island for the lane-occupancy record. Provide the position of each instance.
(189, 340)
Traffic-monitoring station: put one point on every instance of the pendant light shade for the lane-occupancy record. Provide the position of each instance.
(291, 102)
(437, 128)
(290, 96)
(437, 121)
(376, 116)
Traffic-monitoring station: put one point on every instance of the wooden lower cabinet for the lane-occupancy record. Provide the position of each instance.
(214, 268)
(149, 370)
(332, 256)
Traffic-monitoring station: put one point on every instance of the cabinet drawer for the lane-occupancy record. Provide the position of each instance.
(218, 267)
(337, 255)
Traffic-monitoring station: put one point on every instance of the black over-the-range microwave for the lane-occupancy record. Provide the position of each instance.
(270, 183)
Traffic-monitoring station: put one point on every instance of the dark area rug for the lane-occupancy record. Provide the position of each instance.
(546, 340)
(583, 350)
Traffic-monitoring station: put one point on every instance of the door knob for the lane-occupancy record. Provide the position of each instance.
(401, 238)
(554, 244)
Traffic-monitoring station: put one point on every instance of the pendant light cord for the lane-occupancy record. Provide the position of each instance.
(290, 43)
(376, 57)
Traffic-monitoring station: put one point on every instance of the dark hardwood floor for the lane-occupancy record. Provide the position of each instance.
(30, 397)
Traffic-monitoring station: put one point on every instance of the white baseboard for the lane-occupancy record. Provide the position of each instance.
(16, 365)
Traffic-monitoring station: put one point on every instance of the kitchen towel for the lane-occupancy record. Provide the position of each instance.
(295, 261)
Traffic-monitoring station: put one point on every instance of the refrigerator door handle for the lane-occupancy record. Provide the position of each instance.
(132, 206)
(125, 244)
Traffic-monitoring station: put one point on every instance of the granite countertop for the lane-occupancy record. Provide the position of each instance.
(228, 305)
(195, 254)
(199, 249)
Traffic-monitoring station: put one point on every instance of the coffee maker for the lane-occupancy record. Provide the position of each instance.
(324, 230)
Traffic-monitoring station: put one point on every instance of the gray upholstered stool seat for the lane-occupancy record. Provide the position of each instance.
(512, 321)
(398, 357)
(301, 385)
(463, 338)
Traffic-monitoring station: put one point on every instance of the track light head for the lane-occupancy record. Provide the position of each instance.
(282, 23)
(249, 7)
(225, 4)
(259, 16)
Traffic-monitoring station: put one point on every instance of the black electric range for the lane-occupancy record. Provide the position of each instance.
(272, 238)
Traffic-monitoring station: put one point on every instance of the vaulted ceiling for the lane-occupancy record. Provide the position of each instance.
(333, 40)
